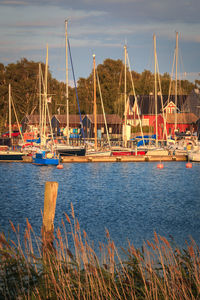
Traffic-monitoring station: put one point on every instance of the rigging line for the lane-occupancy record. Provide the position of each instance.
(119, 108)
(181, 63)
(172, 72)
(17, 119)
(45, 91)
(50, 125)
(120, 78)
(76, 90)
(161, 95)
(133, 87)
(40, 97)
(179, 73)
(43, 105)
(149, 67)
(103, 108)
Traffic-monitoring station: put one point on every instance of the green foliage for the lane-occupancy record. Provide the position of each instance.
(85, 94)
(111, 77)
(24, 79)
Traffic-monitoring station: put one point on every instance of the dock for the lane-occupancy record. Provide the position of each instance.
(145, 158)
(96, 159)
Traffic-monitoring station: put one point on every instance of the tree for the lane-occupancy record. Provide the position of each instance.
(24, 79)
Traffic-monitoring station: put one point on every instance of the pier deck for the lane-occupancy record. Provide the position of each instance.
(86, 159)
(95, 159)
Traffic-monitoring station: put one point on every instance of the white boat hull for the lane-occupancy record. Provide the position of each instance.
(157, 152)
(194, 156)
(98, 153)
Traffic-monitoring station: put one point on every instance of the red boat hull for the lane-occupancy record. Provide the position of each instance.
(130, 153)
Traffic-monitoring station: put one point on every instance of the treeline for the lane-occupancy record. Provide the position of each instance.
(24, 79)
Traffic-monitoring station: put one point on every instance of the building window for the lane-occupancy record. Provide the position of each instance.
(102, 129)
(110, 129)
(145, 122)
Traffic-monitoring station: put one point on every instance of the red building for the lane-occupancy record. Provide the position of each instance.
(169, 115)
(185, 122)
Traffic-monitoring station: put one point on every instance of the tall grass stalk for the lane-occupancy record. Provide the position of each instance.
(157, 271)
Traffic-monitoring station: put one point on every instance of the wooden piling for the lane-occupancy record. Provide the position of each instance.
(50, 196)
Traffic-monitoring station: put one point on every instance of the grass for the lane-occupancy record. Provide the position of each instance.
(157, 271)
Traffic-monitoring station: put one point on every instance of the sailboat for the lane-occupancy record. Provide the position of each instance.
(156, 150)
(6, 153)
(45, 156)
(194, 153)
(65, 149)
(125, 151)
(179, 146)
(94, 151)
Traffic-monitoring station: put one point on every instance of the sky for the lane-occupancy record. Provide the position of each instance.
(102, 27)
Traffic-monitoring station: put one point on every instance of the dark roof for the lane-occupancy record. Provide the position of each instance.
(146, 103)
(31, 119)
(62, 119)
(182, 118)
(110, 119)
(192, 103)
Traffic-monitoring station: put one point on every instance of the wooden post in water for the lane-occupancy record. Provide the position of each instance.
(50, 196)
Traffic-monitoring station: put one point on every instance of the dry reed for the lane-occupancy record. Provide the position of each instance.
(156, 272)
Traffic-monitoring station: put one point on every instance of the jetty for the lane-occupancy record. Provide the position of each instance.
(95, 159)
(139, 158)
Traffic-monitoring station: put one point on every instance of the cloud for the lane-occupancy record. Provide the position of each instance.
(137, 11)
(101, 26)
(13, 2)
(93, 43)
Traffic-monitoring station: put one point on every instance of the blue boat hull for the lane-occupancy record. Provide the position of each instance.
(42, 159)
(45, 161)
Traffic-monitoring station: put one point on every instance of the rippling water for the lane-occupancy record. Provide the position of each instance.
(131, 200)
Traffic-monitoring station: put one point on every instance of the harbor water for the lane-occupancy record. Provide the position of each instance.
(131, 200)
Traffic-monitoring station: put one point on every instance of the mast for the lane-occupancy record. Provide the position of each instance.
(176, 80)
(45, 98)
(67, 83)
(40, 101)
(125, 105)
(95, 105)
(103, 109)
(156, 93)
(9, 110)
(134, 93)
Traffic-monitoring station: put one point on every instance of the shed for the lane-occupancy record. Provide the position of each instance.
(30, 121)
(192, 103)
(114, 124)
(185, 122)
(59, 122)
